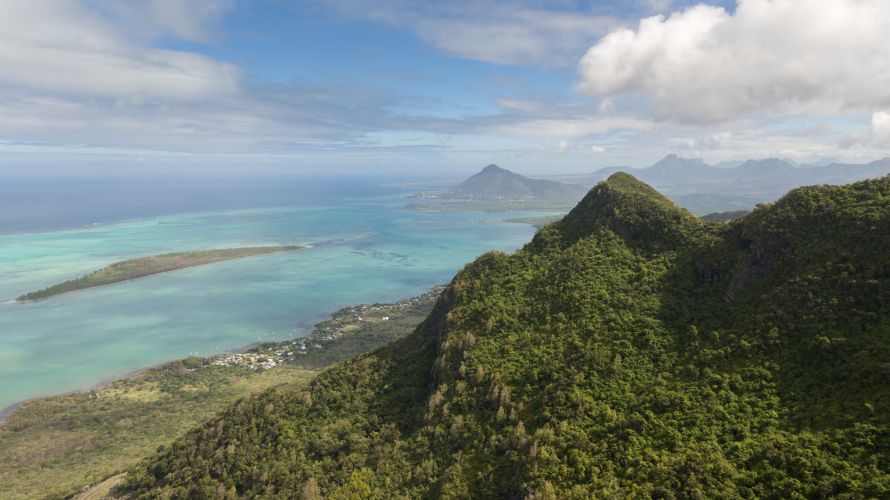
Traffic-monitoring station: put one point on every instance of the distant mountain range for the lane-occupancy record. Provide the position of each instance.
(689, 182)
(771, 176)
(702, 188)
(494, 183)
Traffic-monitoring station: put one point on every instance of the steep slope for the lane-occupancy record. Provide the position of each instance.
(629, 350)
(494, 183)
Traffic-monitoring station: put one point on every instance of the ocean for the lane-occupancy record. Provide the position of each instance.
(366, 247)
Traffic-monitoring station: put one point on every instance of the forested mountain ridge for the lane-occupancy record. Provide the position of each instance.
(630, 349)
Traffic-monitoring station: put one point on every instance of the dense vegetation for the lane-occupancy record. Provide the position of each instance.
(53, 446)
(146, 266)
(629, 350)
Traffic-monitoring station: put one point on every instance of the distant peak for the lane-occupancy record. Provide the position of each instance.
(767, 163)
(673, 159)
(493, 169)
(767, 160)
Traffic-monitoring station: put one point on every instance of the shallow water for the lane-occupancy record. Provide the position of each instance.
(364, 250)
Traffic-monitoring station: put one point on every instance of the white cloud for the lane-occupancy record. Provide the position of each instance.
(186, 19)
(515, 36)
(87, 75)
(267, 120)
(82, 48)
(770, 57)
(718, 141)
(806, 141)
(876, 136)
(880, 123)
(568, 128)
(496, 31)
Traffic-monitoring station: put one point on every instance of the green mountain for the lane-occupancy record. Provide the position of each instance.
(494, 183)
(629, 350)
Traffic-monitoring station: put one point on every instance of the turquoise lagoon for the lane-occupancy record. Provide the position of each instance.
(363, 250)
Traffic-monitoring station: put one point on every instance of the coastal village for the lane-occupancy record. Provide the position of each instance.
(347, 321)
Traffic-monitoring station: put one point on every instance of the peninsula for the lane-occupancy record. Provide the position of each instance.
(146, 266)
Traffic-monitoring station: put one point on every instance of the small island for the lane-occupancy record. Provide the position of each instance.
(126, 270)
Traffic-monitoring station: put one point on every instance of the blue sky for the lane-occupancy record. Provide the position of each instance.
(437, 87)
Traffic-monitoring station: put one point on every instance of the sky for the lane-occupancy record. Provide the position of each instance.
(437, 88)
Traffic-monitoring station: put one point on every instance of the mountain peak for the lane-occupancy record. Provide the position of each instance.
(768, 162)
(674, 160)
(632, 209)
(494, 183)
(493, 168)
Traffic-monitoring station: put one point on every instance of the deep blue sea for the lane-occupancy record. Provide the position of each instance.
(366, 247)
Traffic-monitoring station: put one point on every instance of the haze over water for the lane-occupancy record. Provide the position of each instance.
(366, 248)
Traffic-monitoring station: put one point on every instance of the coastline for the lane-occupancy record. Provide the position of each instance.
(6, 411)
(317, 334)
(9, 410)
(112, 426)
